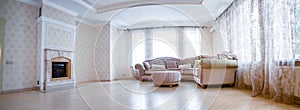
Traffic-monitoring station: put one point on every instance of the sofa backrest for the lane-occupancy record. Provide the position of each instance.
(161, 61)
(190, 60)
(164, 60)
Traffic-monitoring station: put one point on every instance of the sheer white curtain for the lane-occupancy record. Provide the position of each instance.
(164, 42)
(138, 44)
(277, 20)
(191, 42)
(261, 33)
(178, 42)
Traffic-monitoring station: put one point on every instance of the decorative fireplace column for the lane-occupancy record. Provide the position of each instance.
(56, 48)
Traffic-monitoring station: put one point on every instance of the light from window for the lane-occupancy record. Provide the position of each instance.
(163, 49)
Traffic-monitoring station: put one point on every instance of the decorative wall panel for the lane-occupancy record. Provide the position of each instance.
(59, 37)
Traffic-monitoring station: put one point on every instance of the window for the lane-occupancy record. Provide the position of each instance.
(165, 42)
(138, 51)
(163, 49)
(191, 42)
(297, 34)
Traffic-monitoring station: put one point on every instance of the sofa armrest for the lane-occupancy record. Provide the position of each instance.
(141, 70)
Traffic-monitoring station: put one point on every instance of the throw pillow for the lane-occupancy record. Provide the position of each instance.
(158, 67)
(222, 56)
(147, 65)
(185, 66)
(171, 64)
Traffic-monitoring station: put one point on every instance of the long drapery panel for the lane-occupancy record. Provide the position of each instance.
(261, 33)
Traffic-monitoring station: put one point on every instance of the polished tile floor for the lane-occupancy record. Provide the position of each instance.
(132, 94)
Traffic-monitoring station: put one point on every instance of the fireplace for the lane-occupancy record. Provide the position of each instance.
(56, 45)
(60, 69)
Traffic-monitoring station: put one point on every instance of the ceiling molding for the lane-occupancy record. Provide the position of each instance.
(36, 3)
(101, 9)
(88, 23)
(54, 5)
(84, 4)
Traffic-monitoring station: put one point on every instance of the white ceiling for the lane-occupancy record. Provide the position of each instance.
(125, 13)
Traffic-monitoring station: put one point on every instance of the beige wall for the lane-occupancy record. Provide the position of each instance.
(85, 53)
(102, 52)
(20, 44)
(54, 13)
(121, 45)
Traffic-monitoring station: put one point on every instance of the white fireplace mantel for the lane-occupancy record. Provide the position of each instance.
(54, 37)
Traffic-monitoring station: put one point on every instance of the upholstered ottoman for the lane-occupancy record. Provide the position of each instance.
(166, 78)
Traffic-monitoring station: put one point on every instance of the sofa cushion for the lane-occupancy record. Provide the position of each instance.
(147, 65)
(188, 60)
(147, 72)
(158, 67)
(230, 56)
(171, 64)
(185, 66)
(222, 56)
(157, 62)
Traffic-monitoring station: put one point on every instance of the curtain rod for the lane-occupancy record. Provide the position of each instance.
(129, 29)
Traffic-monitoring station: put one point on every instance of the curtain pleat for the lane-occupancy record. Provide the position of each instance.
(261, 33)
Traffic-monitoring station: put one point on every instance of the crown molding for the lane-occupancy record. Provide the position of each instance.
(84, 4)
(89, 23)
(35, 3)
(54, 5)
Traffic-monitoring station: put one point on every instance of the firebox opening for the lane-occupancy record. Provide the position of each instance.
(60, 68)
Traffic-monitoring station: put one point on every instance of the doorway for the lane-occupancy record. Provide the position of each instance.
(2, 28)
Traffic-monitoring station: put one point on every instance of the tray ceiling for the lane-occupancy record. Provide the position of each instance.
(143, 13)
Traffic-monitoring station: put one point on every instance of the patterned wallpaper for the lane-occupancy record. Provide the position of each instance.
(93, 47)
(85, 54)
(59, 37)
(121, 46)
(102, 52)
(20, 44)
(51, 12)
